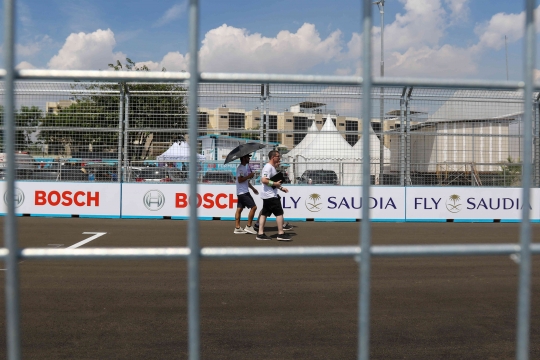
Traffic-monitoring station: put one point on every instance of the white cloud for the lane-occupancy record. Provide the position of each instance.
(492, 33)
(175, 12)
(24, 65)
(423, 23)
(87, 51)
(458, 8)
(173, 61)
(32, 48)
(433, 62)
(231, 49)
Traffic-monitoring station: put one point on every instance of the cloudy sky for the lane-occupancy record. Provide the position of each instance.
(428, 38)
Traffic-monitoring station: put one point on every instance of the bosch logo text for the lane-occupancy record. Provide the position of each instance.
(208, 201)
(66, 198)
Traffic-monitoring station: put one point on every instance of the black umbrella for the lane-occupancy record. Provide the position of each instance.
(242, 150)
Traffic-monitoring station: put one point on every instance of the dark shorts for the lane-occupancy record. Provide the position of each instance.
(245, 201)
(272, 206)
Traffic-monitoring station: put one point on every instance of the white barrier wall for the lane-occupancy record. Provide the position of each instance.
(60, 198)
(318, 202)
(466, 203)
(332, 203)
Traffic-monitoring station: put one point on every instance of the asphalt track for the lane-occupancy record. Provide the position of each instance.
(422, 308)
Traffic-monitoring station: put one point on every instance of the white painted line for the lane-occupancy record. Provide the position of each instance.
(55, 245)
(81, 243)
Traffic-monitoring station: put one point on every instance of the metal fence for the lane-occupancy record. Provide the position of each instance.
(448, 140)
(441, 137)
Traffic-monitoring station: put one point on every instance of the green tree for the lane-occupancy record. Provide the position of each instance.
(157, 112)
(26, 121)
(27, 118)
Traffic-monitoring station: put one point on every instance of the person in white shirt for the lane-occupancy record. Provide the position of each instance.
(245, 200)
(271, 199)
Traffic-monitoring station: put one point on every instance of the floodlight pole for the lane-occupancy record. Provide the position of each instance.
(380, 4)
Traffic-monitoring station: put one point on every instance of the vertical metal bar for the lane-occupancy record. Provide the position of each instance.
(365, 227)
(261, 126)
(10, 224)
(524, 290)
(408, 156)
(193, 226)
(537, 140)
(127, 168)
(267, 114)
(402, 137)
(120, 134)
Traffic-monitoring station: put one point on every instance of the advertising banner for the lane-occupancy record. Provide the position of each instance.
(311, 202)
(64, 199)
(468, 203)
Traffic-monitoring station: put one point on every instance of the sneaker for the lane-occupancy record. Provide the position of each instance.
(250, 229)
(239, 231)
(287, 227)
(263, 237)
(256, 226)
(284, 237)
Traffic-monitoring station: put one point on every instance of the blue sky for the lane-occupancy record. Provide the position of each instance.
(428, 38)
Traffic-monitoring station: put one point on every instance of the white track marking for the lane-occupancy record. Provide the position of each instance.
(81, 243)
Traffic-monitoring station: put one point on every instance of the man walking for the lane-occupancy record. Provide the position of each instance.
(271, 200)
(243, 174)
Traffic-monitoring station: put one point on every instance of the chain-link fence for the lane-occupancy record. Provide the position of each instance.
(112, 132)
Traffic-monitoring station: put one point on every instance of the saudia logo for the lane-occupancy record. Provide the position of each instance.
(313, 203)
(154, 200)
(19, 197)
(452, 205)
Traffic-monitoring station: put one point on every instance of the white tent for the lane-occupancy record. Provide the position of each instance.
(328, 151)
(310, 136)
(374, 153)
(178, 152)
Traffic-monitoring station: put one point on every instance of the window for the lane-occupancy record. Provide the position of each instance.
(334, 121)
(203, 119)
(301, 124)
(351, 139)
(237, 121)
(272, 125)
(319, 121)
(351, 125)
(289, 135)
(288, 120)
(341, 124)
(223, 116)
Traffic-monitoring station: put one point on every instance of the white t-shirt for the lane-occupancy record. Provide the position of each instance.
(267, 191)
(242, 187)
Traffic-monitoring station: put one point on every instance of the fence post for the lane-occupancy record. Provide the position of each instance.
(408, 138)
(261, 125)
(525, 264)
(364, 295)
(537, 141)
(126, 134)
(402, 138)
(12, 294)
(194, 336)
(120, 133)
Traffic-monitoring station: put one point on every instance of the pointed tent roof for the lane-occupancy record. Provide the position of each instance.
(310, 136)
(329, 145)
(374, 144)
(178, 152)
